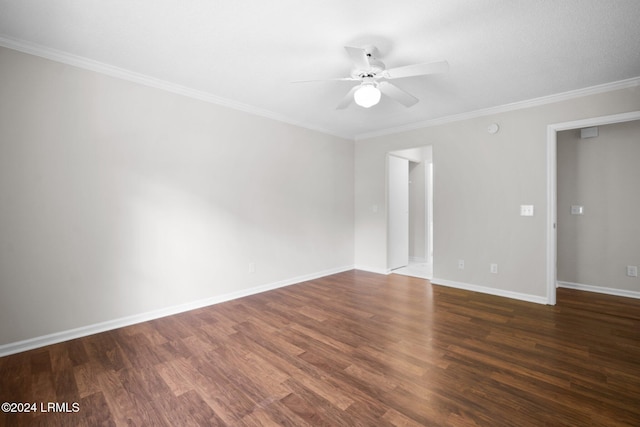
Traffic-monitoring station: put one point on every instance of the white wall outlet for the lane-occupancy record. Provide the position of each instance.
(461, 264)
(252, 267)
(632, 270)
(494, 268)
(526, 210)
(577, 210)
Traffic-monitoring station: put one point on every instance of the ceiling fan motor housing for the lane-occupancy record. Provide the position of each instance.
(375, 69)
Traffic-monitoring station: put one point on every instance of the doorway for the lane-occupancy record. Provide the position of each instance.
(552, 188)
(410, 212)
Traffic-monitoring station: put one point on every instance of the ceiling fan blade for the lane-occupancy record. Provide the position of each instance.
(349, 79)
(394, 92)
(359, 57)
(417, 70)
(348, 99)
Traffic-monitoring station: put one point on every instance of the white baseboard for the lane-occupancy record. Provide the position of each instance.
(372, 269)
(491, 291)
(599, 289)
(83, 331)
(417, 259)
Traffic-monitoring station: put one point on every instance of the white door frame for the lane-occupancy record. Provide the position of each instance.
(397, 191)
(428, 226)
(552, 186)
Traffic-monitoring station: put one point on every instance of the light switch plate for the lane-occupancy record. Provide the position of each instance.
(577, 210)
(526, 210)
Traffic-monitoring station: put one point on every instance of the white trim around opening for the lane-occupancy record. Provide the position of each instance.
(552, 131)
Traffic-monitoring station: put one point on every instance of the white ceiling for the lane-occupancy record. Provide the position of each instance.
(247, 52)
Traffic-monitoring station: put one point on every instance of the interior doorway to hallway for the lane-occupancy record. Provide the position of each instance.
(410, 212)
(552, 187)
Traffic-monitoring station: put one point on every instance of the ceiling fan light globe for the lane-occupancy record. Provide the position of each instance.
(367, 96)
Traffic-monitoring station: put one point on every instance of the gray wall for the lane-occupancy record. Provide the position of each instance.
(480, 181)
(601, 174)
(118, 199)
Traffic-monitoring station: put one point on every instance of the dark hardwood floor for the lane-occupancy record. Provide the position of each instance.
(353, 349)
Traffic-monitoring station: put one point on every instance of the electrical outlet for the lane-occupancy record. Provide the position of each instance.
(577, 210)
(461, 264)
(252, 267)
(632, 270)
(526, 210)
(494, 268)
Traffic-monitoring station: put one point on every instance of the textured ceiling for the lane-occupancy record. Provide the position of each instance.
(247, 52)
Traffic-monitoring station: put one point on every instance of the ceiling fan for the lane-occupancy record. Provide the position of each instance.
(374, 78)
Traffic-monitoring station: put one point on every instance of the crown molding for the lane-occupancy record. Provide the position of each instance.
(535, 102)
(124, 74)
(143, 79)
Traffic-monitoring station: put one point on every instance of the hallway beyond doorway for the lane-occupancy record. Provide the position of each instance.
(423, 270)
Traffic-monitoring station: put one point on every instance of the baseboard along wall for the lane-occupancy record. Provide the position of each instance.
(599, 289)
(57, 337)
(62, 336)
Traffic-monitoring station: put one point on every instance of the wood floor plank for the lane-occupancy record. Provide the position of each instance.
(352, 349)
(99, 415)
(193, 410)
(86, 378)
(278, 413)
(42, 387)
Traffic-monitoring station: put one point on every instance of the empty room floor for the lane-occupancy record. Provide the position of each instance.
(353, 348)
